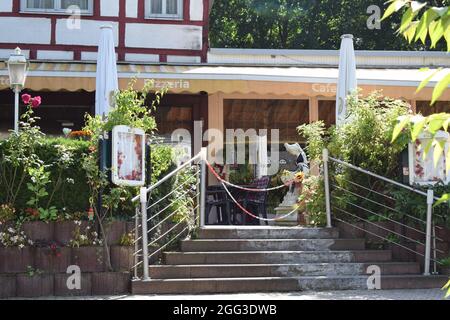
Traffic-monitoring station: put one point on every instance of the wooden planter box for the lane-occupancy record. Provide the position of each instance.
(114, 232)
(39, 231)
(89, 259)
(122, 258)
(62, 290)
(46, 260)
(7, 286)
(37, 286)
(445, 271)
(376, 231)
(64, 231)
(111, 283)
(15, 260)
(401, 254)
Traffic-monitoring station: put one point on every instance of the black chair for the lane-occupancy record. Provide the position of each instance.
(216, 197)
(255, 202)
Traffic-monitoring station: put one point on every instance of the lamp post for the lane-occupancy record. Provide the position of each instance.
(17, 68)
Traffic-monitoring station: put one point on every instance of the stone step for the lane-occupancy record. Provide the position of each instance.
(206, 245)
(238, 232)
(277, 284)
(276, 257)
(277, 270)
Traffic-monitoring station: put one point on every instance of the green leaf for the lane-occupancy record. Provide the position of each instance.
(436, 30)
(416, 6)
(399, 127)
(441, 86)
(417, 129)
(424, 82)
(393, 7)
(422, 30)
(444, 199)
(438, 151)
(410, 32)
(406, 20)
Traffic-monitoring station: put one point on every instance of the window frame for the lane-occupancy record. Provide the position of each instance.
(56, 10)
(164, 16)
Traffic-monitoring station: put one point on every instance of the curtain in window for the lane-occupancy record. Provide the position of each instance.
(172, 7)
(82, 4)
(156, 7)
(40, 4)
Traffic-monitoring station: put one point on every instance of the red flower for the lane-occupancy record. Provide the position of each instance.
(53, 247)
(36, 102)
(26, 98)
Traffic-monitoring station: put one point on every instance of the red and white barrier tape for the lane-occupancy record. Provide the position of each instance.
(244, 188)
(253, 215)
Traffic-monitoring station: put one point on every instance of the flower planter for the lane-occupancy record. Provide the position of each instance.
(114, 232)
(350, 231)
(7, 286)
(36, 286)
(64, 231)
(89, 259)
(52, 261)
(15, 260)
(62, 290)
(39, 231)
(110, 283)
(122, 258)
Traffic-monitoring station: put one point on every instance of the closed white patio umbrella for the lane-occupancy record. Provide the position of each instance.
(347, 77)
(106, 81)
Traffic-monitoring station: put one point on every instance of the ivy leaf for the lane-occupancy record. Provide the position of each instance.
(441, 86)
(399, 127)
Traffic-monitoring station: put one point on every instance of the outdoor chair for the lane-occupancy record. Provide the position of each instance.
(216, 197)
(255, 202)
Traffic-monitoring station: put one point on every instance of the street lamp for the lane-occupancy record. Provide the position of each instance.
(17, 68)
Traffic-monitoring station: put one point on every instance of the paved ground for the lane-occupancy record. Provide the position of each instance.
(431, 294)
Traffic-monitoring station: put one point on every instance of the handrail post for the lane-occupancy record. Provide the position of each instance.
(136, 243)
(143, 201)
(430, 201)
(203, 174)
(327, 187)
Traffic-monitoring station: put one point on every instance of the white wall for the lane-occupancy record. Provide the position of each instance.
(6, 5)
(163, 36)
(88, 34)
(183, 59)
(137, 57)
(17, 30)
(109, 8)
(196, 10)
(132, 8)
(5, 53)
(54, 55)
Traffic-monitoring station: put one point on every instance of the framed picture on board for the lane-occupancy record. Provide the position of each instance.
(422, 170)
(128, 156)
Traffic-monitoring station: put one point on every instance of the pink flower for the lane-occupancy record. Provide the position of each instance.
(26, 98)
(36, 102)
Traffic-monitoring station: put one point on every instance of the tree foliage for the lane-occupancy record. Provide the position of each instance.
(303, 24)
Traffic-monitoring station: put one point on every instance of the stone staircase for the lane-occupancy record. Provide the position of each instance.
(277, 259)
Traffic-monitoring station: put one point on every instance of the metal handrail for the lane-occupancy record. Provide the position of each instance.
(170, 175)
(143, 198)
(429, 195)
(380, 177)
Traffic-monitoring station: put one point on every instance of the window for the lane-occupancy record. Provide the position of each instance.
(164, 9)
(57, 6)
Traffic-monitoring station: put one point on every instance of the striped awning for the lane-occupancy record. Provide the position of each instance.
(292, 81)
